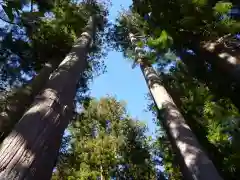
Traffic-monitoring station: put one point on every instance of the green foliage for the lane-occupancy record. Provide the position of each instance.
(222, 7)
(105, 141)
(36, 37)
(166, 155)
(191, 24)
(162, 42)
(214, 121)
(210, 118)
(200, 2)
(180, 19)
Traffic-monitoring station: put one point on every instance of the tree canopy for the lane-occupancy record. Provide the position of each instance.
(106, 142)
(193, 45)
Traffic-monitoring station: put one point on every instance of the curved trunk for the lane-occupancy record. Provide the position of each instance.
(195, 164)
(29, 151)
(21, 99)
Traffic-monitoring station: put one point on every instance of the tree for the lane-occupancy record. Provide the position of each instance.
(207, 24)
(48, 116)
(178, 131)
(17, 102)
(44, 56)
(106, 143)
(194, 161)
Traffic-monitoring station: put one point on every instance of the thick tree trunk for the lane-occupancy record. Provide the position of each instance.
(228, 55)
(21, 99)
(222, 76)
(226, 59)
(195, 165)
(30, 150)
(198, 68)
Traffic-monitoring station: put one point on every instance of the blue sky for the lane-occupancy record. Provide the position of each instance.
(122, 81)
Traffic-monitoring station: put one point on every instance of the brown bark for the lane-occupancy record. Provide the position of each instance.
(21, 99)
(212, 151)
(194, 162)
(222, 76)
(30, 150)
(224, 54)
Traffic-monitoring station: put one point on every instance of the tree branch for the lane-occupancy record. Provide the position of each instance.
(7, 21)
(31, 5)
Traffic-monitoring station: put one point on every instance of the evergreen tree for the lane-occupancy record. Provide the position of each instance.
(106, 143)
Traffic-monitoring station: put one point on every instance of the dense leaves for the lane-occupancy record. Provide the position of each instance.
(197, 26)
(107, 143)
(215, 121)
(44, 36)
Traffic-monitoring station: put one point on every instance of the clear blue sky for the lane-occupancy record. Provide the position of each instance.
(122, 81)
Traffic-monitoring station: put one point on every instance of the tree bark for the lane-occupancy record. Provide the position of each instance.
(21, 99)
(30, 150)
(211, 150)
(195, 165)
(222, 76)
(228, 55)
(102, 174)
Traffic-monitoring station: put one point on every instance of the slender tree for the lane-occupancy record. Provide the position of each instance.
(30, 150)
(197, 164)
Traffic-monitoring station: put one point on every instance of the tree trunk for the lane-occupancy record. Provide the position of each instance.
(228, 52)
(222, 76)
(212, 151)
(217, 81)
(102, 176)
(195, 165)
(30, 150)
(21, 99)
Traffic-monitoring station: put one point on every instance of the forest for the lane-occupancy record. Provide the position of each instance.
(52, 128)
